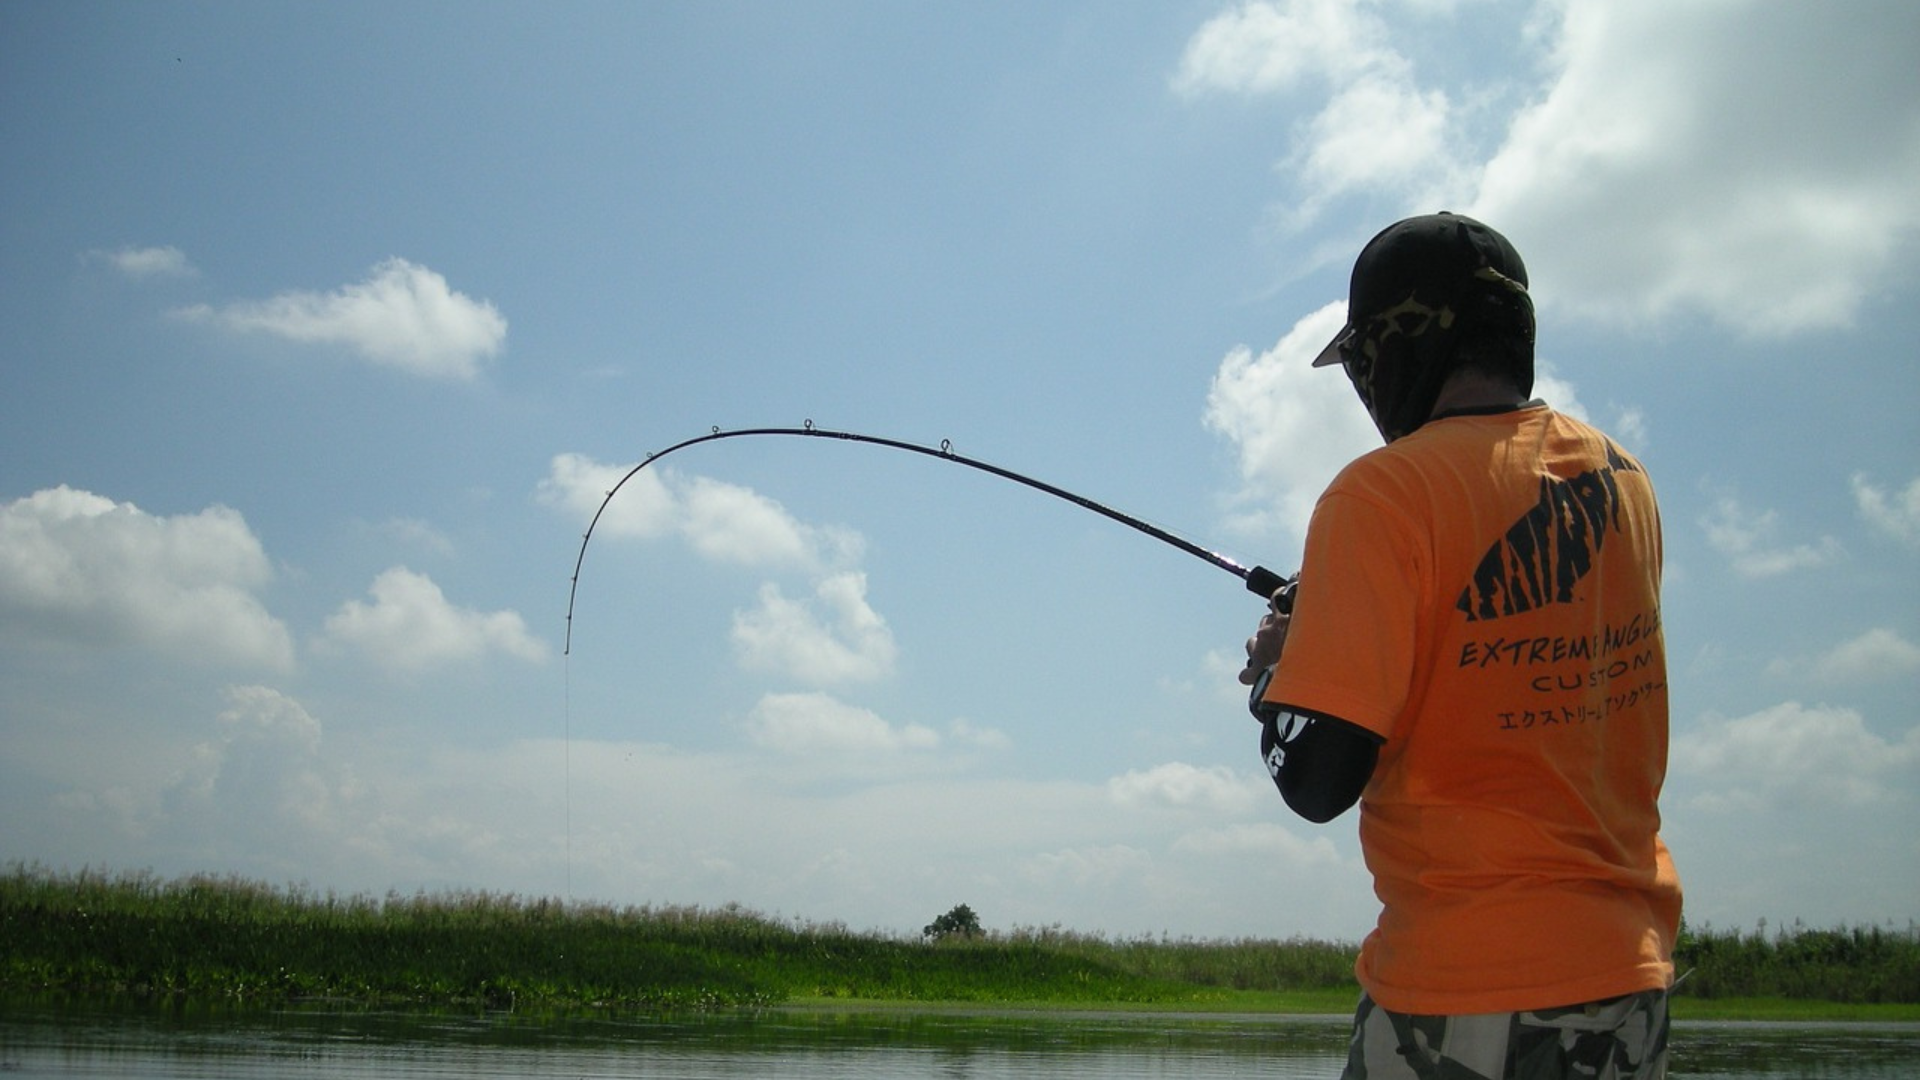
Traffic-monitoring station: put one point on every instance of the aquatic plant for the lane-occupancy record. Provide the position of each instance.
(228, 938)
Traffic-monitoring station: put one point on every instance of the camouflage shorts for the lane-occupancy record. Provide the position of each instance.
(1622, 1038)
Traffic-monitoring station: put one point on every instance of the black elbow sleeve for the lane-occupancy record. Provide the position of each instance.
(1320, 764)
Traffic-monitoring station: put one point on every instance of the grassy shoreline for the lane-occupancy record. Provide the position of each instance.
(227, 939)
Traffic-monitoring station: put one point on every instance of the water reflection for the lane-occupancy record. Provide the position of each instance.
(143, 1042)
(1762, 1051)
(41, 1041)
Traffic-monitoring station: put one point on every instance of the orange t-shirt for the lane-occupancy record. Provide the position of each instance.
(1484, 594)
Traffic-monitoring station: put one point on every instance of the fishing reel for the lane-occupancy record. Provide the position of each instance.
(1281, 598)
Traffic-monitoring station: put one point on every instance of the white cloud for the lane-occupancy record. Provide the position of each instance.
(1264, 840)
(1896, 513)
(1215, 789)
(835, 637)
(1294, 426)
(1628, 423)
(775, 827)
(1880, 653)
(850, 643)
(729, 523)
(148, 262)
(266, 710)
(80, 568)
(1099, 866)
(252, 795)
(403, 316)
(722, 522)
(1377, 128)
(1792, 755)
(1630, 427)
(413, 533)
(1668, 160)
(820, 725)
(578, 485)
(1549, 387)
(1378, 132)
(1750, 540)
(258, 757)
(1703, 157)
(261, 796)
(1265, 48)
(967, 733)
(410, 626)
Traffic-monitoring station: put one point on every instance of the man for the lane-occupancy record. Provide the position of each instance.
(1474, 654)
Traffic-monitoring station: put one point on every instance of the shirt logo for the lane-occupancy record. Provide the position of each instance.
(1551, 548)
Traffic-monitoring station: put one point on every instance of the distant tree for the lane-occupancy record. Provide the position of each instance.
(960, 922)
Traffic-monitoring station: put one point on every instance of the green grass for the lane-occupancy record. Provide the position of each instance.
(1856, 966)
(234, 939)
(208, 938)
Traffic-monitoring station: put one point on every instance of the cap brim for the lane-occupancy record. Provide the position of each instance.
(1330, 356)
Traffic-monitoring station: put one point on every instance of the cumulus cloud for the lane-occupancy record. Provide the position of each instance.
(255, 795)
(411, 626)
(577, 485)
(821, 725)
(1292, 425)
(1103, 865)
(1377, 129)
(1880, 653)
(403, 316)
(967, 733)
(1792, 755)
(723, 522)
(1275, 47)
(411, 532)
(1697, 160)
(833, 637)
(1750, 539)
(148, 262)
(837, 638)
(730, 523)
(1894, 513)
(252, 794)
(1263, 840)
(1549, 387)
(1702, 158)
(269, 794)
(259, 761)
(80, 568)
(1215, 789)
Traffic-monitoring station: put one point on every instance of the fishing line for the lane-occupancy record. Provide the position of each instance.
(1259, 580)
(566, 767)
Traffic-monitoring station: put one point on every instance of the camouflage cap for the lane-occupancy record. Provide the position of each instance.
(1443, 257)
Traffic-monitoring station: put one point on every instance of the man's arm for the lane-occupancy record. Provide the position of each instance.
(1321, 764)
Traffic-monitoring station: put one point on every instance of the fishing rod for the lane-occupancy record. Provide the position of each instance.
(1259, 580)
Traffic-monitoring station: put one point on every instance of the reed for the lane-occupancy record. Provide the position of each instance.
(1861, 965)
(203, 936)
(228, 938)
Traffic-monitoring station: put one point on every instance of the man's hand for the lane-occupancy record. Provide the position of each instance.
(1263, 648)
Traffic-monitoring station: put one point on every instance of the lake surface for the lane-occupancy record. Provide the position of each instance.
(51, 1039)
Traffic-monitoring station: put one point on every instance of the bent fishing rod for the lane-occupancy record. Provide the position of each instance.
(1259, 580)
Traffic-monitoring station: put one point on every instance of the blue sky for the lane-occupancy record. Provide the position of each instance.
(328, 326)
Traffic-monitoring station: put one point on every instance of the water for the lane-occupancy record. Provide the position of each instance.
(149, 1043)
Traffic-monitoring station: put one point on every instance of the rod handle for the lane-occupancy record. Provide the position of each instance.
(1263, 583)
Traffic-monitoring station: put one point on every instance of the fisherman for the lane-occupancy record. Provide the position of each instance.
(1474, 655)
